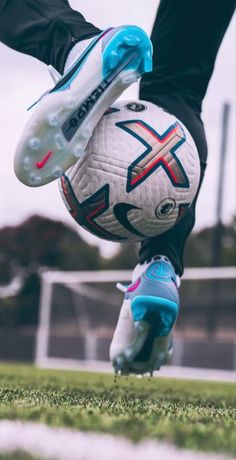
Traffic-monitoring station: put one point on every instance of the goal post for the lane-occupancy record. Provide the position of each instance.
(79, 310)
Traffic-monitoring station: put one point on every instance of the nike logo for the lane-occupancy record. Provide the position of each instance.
(42, 163)
(121, 211)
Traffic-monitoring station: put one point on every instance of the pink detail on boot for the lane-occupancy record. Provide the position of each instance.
(134, 286)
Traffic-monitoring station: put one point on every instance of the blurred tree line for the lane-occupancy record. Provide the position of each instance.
(41, 243)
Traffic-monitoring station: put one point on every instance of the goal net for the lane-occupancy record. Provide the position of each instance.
(79, 311)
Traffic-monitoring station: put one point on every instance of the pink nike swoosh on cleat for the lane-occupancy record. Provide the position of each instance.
(40, 164)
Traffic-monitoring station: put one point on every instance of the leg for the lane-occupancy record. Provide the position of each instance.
(46, 30)
(183, 65)
(172, 243)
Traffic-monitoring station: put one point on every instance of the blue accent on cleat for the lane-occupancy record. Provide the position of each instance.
(158, 312)
(134, 49)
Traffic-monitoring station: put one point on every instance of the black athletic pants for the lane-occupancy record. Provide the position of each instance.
(186, 37)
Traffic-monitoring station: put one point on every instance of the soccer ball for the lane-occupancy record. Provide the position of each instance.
(138, 177)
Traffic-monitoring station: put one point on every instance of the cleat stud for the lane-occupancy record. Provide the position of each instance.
(53, 120)
(119, 361)
(114, 59)
(59, 142)
(26, 163)
(131, 40)
(34, 179)
(34, 143)
(78, 152)
(87, 133)
(147, 65)
(70, 103)
(128, 79)
(57, 172)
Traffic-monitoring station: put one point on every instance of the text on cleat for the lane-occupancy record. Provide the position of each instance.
(71, 125)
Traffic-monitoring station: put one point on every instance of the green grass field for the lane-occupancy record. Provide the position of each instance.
(196, 415)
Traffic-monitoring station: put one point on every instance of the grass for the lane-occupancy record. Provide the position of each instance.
(18, 455)
(191, 414)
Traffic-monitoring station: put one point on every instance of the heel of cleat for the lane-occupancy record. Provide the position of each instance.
(129, 49)
(160, 313)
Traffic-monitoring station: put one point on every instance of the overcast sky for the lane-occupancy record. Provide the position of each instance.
(23, 79)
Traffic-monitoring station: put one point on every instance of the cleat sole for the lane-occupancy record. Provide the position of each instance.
(64, 119)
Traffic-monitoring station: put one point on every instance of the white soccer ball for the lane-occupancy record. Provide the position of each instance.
(140, 173)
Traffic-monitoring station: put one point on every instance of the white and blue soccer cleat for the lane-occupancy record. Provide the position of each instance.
(142, 341)
(63, 120)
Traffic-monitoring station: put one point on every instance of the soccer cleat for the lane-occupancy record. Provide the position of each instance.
(142, 341)
(63, 120)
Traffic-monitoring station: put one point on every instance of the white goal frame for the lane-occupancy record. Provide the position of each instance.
(48, 278)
